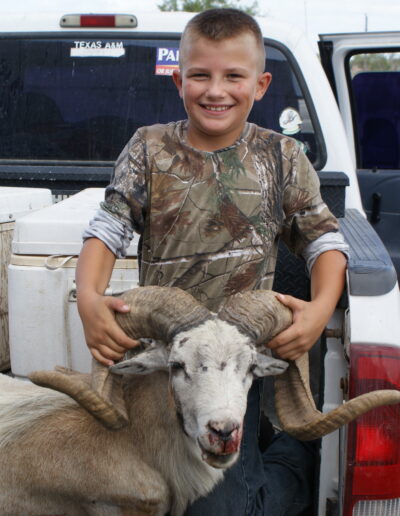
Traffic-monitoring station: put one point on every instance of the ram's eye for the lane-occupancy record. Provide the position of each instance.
(176, 366)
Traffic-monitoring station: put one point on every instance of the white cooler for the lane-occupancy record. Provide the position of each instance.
(45, 328)
(14, 203)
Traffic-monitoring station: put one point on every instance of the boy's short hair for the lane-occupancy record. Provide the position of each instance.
(224, 23)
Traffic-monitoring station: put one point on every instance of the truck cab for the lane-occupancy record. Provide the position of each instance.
(76, 85)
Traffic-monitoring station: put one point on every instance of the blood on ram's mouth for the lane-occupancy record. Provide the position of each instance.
(219, 461)
(227, 445)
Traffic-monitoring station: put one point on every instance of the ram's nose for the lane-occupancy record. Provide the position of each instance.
(223, 430)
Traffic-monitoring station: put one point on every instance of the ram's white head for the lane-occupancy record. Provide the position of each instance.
(211, 367)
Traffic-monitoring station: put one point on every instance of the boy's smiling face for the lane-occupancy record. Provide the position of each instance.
(219, 82)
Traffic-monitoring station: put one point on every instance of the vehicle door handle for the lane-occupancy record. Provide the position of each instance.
(376, 207)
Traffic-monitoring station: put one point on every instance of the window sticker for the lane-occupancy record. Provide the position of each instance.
(167, 60)
(98, 49)
(290, 121)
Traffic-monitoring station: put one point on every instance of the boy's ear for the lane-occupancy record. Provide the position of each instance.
(263, 82)
(177, 78)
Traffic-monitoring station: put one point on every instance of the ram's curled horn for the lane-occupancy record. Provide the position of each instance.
(156, 313)
(160, 312)
(99, 393)
(254, 313)
(297, 412)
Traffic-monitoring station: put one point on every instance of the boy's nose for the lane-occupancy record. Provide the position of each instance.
(215, 90)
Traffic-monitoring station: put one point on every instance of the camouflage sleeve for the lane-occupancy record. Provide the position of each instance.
(306, 215)
(126, 196)
(111, 231)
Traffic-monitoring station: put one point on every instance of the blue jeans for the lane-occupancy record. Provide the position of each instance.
(278, 482)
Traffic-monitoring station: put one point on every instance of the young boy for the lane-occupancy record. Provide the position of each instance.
(210, 196)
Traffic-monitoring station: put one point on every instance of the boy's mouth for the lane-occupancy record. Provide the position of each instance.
(215, 109)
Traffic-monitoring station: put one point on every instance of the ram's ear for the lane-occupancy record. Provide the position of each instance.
(266, 365)
(153, 358)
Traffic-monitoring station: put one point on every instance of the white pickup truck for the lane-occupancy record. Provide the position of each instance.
(75, 85)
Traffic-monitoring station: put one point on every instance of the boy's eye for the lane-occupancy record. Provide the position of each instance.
(198, 75)
(234, 76)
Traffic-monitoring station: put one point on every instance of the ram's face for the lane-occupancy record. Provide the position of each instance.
(211, 370)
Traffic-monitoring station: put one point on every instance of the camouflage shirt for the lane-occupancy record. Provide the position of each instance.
(210, 221)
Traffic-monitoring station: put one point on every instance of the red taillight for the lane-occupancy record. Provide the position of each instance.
(98, 20)
(373, 449)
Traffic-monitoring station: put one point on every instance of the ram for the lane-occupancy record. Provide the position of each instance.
(156, 442)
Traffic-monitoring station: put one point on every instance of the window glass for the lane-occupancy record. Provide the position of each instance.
(284, 107)
(82, 99)
(375, 84)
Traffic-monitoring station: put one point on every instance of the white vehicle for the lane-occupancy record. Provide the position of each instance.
(76, 84)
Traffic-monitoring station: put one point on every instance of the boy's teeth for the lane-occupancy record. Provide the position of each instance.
(217, 108)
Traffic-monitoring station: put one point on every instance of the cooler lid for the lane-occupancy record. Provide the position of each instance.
(58, 229)
(16, 201)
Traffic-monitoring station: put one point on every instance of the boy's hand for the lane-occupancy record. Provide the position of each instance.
(310, 318)
(309, 321)
(105, 339)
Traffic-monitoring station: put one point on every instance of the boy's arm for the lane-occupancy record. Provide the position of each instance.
(310, 231)
(107, 237)
(105, 339)
(310, 318)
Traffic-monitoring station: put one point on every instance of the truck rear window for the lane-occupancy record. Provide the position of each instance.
(81, 99)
